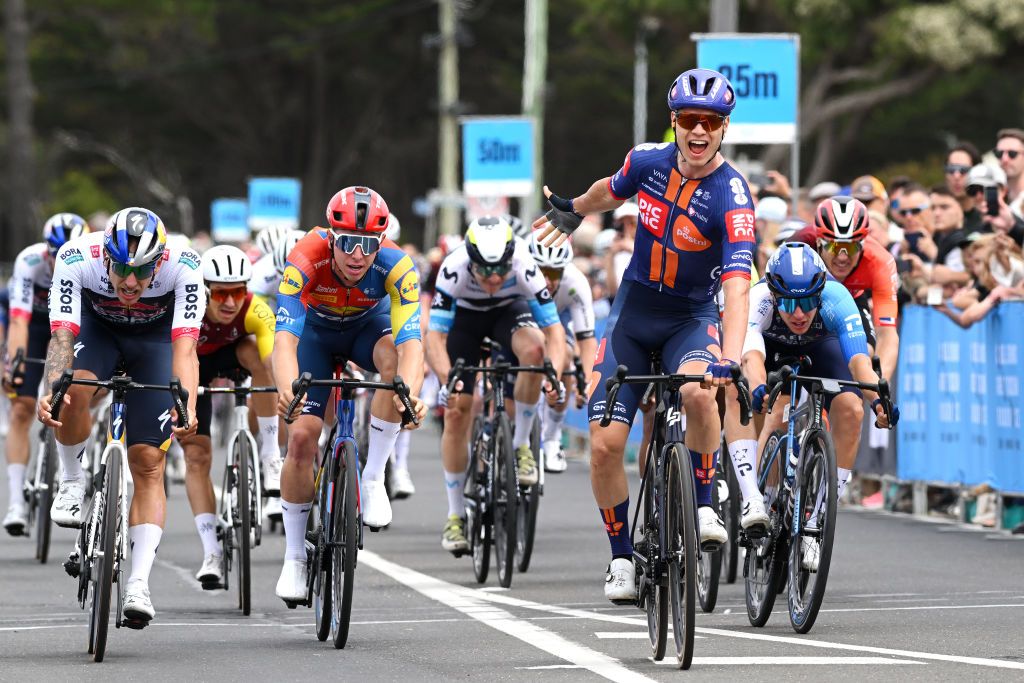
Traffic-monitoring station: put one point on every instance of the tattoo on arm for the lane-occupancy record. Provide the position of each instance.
(59, 355)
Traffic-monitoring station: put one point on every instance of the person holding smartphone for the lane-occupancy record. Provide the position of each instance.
(987, 185)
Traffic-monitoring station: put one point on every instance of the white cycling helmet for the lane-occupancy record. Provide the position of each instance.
(268, 238)
(394, 229)
(550, 257)
(284, 247)
(489, 241)
(226, 264)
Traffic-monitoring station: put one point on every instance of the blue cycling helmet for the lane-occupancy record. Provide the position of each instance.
(62, 227)
(135, 222)
(795, 270)
(702, 89)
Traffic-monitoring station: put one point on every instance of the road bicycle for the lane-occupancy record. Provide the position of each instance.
(336, 536)
(240, 509)
(666, 548)
(101, 551)
(797, 475)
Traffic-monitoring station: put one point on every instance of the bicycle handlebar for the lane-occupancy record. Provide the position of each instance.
(119, 383)
(460, 367)
(237, 390)
(18, 364)
(779, 378)
(613, 384)
(301, 385)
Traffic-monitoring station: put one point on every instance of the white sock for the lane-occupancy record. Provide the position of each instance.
(744, 462)
(402, 450)
(16, 483)
(453, 484)
(71, 460)
(552, 425)
(145, 538)
(844, 477)
(269, 448)
(382, 443)
(295, 516)
(525, 412)
(206, 525)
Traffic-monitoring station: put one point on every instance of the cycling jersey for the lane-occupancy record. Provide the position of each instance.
(30, 284)
(692, 233)
(458, 287)
(265, 278)
(875, 273)
(837, 316)
(575, 303)
(255, 317)
(5, 303)
(309, 285)
(175, 297)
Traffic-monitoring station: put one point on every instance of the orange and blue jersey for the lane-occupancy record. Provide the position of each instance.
(310, 288)
(692, 233)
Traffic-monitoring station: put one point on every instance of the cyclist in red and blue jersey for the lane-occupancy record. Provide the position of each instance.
(346, 291)
(695, 236)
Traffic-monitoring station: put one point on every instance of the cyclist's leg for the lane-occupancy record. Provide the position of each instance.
(467, 331)
(264, 406)
(845, 410)
(742, 440)
(516, 330)
(23, 413)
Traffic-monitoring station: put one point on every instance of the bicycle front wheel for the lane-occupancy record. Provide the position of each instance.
(243, 529)
(106, 542)
(480, 506)
(814, 510)
(681, 507)
(529, 502)
(730, 508)
(321, 520)
(765, 556)
(44, 496)
(506, 502)
(345, 548)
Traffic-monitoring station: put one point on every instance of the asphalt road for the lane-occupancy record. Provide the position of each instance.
(907, 600)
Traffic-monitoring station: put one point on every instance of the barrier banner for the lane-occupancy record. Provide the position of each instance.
(960, 399)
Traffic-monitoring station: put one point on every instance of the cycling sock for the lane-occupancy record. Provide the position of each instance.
(402, 450)
(843, 479)
(616, 524)
(743, 454)
(16, 483)
(71, 460)
(145, 538)
(553, 420)
(525, 412)
(206, 525)
(382, 442)
(295, 516)
(454, 484)
(704, 465)
(269, 447)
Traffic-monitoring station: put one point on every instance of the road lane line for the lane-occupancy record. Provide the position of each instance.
(791, 661)
(185, 575)
(469, 602)
(627, 635)
(912, 609)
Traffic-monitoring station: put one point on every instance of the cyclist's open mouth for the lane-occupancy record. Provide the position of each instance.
(697, 147)
(130, 293)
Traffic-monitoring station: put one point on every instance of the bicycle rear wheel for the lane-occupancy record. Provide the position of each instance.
(682, 553)
(709, 564)
(345, 545)
(763, 564)
(481, 504)
(243, 529)
(529, 502)
(44, 496)
(730, 509)
(655, 587)
(103, 565)
(815, 480)
(320, 562)
(506, 498)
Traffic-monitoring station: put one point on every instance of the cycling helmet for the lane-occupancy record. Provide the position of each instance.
(62, 227)
(795, 270)
(550, 257)
(519, 229)
(702, 89)
(357, 208)
(841, 218)
(268, 238)
(135, 222)
(284, 247)
(489, 241)
(394, 231)
(226, 264)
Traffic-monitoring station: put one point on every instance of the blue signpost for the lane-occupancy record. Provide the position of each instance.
(274, 202)
(229, 220)
(497, 156)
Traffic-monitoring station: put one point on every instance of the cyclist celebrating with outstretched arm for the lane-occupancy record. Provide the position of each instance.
(123, 297)
(346, 291)
(695, 236)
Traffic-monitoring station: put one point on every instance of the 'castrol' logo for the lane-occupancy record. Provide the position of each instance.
(653, 213)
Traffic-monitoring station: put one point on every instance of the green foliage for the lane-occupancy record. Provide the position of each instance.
(78, 191)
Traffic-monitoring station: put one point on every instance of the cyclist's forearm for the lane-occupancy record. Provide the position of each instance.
(588, 351)
(861, 370)
(554, 336)
(410, 365)
(17, 336)
(286, 361)
(597, 199)
(888, 349)
(734, 319)
(185, 366)
(59, 355)
(437, 354)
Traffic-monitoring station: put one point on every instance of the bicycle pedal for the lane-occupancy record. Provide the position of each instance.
(710, 546)
(272, 493)
(291, 604)
(632, 602)
(211, 585)
(136, 624)
(755, 532)
(72, 567)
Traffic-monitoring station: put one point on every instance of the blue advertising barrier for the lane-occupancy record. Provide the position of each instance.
(960, 399)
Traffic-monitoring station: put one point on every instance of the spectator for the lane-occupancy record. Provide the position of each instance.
(1010, 152)
(878, 229)
(997, 266)
(620, 251)
(981, 178)
(915, 212)
(962, 157)
(896, 187)
(949, 236)
(871, 191)
(769, 214)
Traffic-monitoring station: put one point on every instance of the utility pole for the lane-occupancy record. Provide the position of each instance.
(644, 29)
(535, 69)
(448, 101)
(725, 16)
(20, 159)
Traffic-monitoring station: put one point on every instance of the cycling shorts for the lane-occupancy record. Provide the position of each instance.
(221, 363)
(318, 346)
(643, 321)
(38, 341)
(827, 360)
(146, 358)
(470, 327)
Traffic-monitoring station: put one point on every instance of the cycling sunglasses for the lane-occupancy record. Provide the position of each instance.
(222, 295)
(957, 169)
(804, 303)
(123, 270)
(912, 211)
(710, 122)
(1012, 153)
(487, 271)
(348, 243)
(833, 247)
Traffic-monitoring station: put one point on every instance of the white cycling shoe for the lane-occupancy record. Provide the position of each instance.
(554, 457)
(810, 553)
(137, 604)
(272, 509)
(271, 474)
(712, 530)
(755, 518)
(16, 519)
(375, 503)
(211, 575)
(66, 510)
(401, 483)
(292, 584)
(620, 581)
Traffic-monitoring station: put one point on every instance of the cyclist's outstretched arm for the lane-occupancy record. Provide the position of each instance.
(888, 350)
(410, 364)
(185, 366)
(554, 345)
(59, 356)
(286, 368)
(734, 319)
(437, 354)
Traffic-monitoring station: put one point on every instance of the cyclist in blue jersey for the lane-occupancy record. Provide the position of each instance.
(695, 237)
(799, 310)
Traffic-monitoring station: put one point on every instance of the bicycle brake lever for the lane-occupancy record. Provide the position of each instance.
(402, 391)
(60, 387)
(742, 395)
(180, 396)
(299, 387)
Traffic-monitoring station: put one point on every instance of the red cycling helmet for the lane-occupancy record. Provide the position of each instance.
(841, 218)
(358, 208)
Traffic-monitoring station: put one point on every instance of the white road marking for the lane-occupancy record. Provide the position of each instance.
(232, 624)
(914, 608)
(627, 635)
(470, 602)
(550, 666)
(790, 661)
(185, 575)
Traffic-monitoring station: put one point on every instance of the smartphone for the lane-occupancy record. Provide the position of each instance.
(760, 179)
(934, 297)
(904, 266)
(912, 238)
(992, 201)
